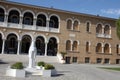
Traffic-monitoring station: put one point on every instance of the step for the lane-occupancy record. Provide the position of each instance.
(24, 58)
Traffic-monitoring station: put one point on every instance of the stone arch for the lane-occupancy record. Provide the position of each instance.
(43, 14)
(18, 37)
(14, 9)
(3, 9)
(56, 16)
(25, 43)
(68, 45)
(69, 23)
(52, 46)
(30, 12)
(25, 33)
(99, 47)
(11, 43)
(2, 34)
(75, 46)
(40, 45)
(107, 47)
(99, 28)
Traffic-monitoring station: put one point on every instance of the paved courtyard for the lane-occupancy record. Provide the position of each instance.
(71, 72)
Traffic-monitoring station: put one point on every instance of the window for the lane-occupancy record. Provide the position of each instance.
(88, 26)
(28, 18)
(74, 60)
(106, 61)
(13, 16)
(1, 15)
(87, 60)
(69, 24)
(87, 47)
(106, 48)
(117, 49)
(54, 22)
(41, 20)
(99, 29)
(107, 30)
(75, 26)
(75, 46)
(99, 48)
(99, 60)
(68, 45)
(117, 61)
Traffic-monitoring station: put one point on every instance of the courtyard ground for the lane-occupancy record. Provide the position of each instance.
(70, 72)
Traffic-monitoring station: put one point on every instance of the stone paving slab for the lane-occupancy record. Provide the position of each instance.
(71, 72)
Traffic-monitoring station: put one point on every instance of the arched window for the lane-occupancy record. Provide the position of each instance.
(117, 49)
(28, 18)
(69, 24)
(99, 48)
(41, 20)
(75, 46)
(106, 48)
(68, 45)
(75, 25)
(88, 26)
(99, 29)
(54, 23)
(87, 47)
(13, 16)
(107, 30)
(2, 14)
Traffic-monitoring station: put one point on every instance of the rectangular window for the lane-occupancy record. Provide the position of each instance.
(87, 60)
(117, 61)
(106, 61)
(99, 60)
(74, 60)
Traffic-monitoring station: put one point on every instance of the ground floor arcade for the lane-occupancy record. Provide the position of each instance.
(12, 45)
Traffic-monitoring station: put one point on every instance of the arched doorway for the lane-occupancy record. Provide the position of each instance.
(52, 47)
(1, 43)
(11, 44)
(40, 45)
(25, 44)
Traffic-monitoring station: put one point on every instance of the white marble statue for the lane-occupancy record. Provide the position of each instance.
(32, 55)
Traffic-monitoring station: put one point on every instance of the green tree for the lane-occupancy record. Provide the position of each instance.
(118, 27)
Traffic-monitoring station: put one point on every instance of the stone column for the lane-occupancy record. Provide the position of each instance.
(21, 21)
(102, 49)
(46, 48)
(47, 24)
(18, 49)
(6, 20)
(72, 25)
(3, 46)
(34, 24)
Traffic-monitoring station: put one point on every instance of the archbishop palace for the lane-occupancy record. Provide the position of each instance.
(85, 38)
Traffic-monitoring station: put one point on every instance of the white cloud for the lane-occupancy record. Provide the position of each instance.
(111, 11)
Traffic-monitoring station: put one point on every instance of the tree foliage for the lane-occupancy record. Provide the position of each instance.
(118, 27)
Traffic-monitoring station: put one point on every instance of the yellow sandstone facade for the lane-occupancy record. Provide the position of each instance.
(86, 38)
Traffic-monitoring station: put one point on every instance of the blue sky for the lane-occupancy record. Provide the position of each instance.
(107, 8)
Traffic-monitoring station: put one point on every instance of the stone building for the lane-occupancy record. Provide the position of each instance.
(86, 38)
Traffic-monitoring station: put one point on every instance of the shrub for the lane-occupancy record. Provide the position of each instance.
(17, 65)
(41, 64)
(49, 66)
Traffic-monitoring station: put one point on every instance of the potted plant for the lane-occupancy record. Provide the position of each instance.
(40, 65)
(16, 70)
(49, 70)
(63, 57)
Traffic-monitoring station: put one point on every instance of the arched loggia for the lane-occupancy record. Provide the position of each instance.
(40, 45)
(25, 44)
(52, 47)
(11, 44)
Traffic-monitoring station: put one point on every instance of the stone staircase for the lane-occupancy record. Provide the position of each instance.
(24, 58)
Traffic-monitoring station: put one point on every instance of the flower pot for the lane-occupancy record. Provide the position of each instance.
(15, 72)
